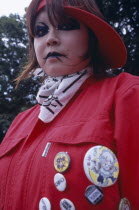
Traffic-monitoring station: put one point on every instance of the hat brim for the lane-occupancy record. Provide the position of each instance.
(111, 47)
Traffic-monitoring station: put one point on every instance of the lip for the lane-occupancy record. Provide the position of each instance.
(53, 55)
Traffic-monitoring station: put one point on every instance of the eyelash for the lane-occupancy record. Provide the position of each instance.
(42, 30)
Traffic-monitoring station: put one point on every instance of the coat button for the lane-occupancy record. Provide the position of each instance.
(124, 204)
(66, 204)
(101, 166)
(60, 182)
(61, 162)
(94, 194)
(44, 204)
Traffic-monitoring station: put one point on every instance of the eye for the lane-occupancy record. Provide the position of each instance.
(71, 24)
(41, 30)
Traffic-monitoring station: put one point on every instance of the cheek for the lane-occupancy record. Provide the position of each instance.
(83, 46)
(83, 41)
(35, 47)
(78, 44)
(38, 49)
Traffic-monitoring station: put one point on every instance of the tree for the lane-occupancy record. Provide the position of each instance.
(13, 55)
(123, 15)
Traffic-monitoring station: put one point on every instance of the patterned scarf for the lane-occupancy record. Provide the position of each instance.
(56, 92)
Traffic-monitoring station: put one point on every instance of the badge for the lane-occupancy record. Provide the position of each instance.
(66, 204)
(94, 194)
(60, 182)
(124, 204)
(101, 166)
(61, 162)
(44, 204)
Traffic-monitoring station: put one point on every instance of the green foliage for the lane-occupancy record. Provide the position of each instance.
(13, 55)
(123, 15)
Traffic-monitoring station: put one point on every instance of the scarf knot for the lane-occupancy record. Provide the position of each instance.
(56, 92)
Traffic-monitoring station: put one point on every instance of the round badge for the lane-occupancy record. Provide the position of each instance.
(44, 204)
(94, 194)
(101, 166)
(60, 182)
(66, 204)
(124, 204)
(61, 162)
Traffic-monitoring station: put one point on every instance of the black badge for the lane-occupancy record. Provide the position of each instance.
(94, 194)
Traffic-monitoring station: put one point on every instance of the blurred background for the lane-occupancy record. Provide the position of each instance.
(123, 15)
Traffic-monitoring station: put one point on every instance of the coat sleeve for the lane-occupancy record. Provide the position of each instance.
(126, 134)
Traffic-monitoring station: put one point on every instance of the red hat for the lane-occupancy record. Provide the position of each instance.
(111, 47)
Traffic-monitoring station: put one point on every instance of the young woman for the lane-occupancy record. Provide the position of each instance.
(78, 147)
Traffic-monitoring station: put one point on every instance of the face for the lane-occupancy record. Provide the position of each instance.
(60, 49)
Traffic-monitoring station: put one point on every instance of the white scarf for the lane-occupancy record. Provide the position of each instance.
(56, 92)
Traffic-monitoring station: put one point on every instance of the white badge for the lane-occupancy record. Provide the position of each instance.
(44, 204)
(66, 204)
(60, 182)
(101, 166)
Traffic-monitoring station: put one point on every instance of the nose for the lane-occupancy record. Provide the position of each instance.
(53, 37)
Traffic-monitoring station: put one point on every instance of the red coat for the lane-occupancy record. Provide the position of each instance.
(104, 112)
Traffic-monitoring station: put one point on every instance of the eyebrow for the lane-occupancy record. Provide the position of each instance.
(41, 23)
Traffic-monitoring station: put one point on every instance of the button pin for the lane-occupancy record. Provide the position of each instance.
(61, 162)
(94, 194)
(124, 204)
(66, 204)
(101, 166)
(60, 182)
(44, 204)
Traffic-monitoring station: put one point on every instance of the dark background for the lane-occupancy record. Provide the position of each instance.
(123, 15)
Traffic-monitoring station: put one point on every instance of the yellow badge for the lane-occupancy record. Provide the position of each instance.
(101, 166)
(61, 162)
(124, 204)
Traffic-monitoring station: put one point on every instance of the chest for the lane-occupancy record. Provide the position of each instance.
(30, 168)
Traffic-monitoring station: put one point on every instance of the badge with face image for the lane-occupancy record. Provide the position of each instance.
(101, 166)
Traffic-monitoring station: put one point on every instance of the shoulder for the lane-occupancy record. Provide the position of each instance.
(119, 84)
(23, 123)
(31, 112)
(110, 91)
(123, 82)
(124, 88)
(127, 86)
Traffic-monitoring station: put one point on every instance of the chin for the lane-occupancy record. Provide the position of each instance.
(52, 72)
(56, 72)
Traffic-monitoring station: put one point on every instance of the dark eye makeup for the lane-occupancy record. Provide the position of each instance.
(71, 24)
(41, 29)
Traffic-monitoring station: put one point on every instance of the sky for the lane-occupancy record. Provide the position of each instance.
(13, 6)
